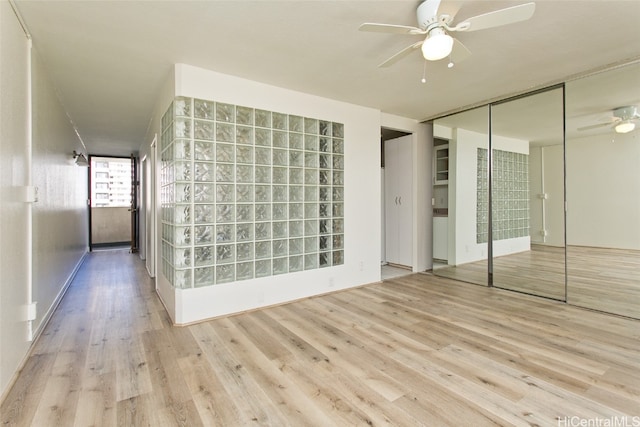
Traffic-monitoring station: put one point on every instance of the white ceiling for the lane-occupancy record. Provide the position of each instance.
(108, 59)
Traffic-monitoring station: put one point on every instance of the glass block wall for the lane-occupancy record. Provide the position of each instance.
(510, 195)
(248, 193)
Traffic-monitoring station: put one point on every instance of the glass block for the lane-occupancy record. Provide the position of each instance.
(203, 276)
(225, 273)
(296, 124)
(224, 193)
(296, 263)
(311, 210)
(338, 257)
(244, 213)
(296, 158)
(263, 249)
(279, 211)
(338, 241)
(244, 135)
(244, 251)
(225, 153)
(203, 109)
(182, 193)
(296, 246)
(324, 128)
(296, 141)
(182, 128)
(263, 118)
(225, 132)
(338, 146)
(280, 265)
(182, 257)
(338, 178)
(182, 106)
(244, 173)
(279, 139)
(225, 253)
(203, 193)
(296, 211)
(203, 130)
(244, 193)
(311, 143)
(182, 149)
(310, 227)
(324, 177)
(182, 214)
(338, 210)
(244, 232)
(182, 171)
(263, 193)
(296, 193)
(280, 248)
(262, 156)
(203, 172)
(202, 214)
(182, 279)
(338, 162)
(311, 126)
(225, 112)
(263, 212)
(310, 261)
(338, 194)
(203, 150)
(324, 259)
(244, 270)
(262, 230)
(296, 228)
(279, 229)
(311, 176)
(279, 176)
(325, 226)
(244, 115)
(263, 268)
(280, 157)
(279, 121)
(203, 255)
(225, 233)
(325, 161)
(224, 172)
(182, 236)
(338, 226)
(324, 194)
(263, 137)
(225, 213)
(338, 130)
(310, 193)
(324, 243)
(279, 193)
(324, 210)
(296, 176)
(263, 174)
(203, 234)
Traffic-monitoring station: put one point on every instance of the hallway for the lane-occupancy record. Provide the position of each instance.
(415, 350)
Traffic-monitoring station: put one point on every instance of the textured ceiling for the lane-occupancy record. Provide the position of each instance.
(108, 59)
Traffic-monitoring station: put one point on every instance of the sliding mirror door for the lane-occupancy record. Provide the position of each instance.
(460, 196)
(527, 194)
(603, 191)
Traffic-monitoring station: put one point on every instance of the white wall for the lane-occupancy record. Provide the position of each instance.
(546, 175)
(58, 220)
(603, 191)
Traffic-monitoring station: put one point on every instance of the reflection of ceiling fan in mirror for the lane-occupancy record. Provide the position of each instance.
(439, 44)
(623, 121)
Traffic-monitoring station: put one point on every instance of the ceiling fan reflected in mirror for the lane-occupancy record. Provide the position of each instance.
(623, 121)
(438, 44)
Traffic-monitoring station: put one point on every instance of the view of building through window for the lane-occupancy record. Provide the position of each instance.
(110, 182)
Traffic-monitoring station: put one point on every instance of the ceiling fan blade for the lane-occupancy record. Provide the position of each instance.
(459, 51)
(599, 125)
(498, 17)
(390, 29)
(398, 56)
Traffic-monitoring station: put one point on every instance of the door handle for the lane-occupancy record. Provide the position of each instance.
(400, 200)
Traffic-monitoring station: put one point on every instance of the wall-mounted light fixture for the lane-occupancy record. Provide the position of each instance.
(81, 159)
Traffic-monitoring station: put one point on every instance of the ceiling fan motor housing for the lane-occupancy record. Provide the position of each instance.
(626, 113)
(427, 13)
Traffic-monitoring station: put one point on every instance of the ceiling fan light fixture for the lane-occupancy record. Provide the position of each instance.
(437, 45)
(625, 126)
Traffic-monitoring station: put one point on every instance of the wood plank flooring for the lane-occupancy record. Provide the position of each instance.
(417, 350)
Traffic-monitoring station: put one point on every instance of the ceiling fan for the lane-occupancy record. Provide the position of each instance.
(623, 120)
(439, 44)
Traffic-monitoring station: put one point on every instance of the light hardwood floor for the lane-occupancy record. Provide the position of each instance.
(412, 351)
